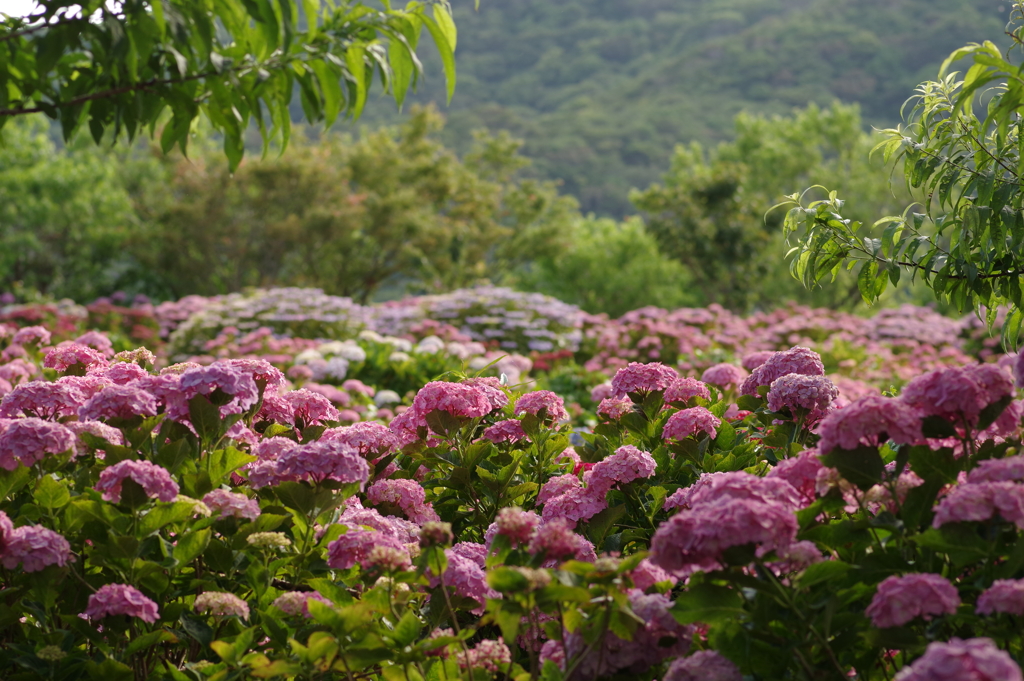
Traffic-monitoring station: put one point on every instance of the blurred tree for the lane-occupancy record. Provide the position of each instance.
(64, 216)
(611, 267)
(394, 209)
(710, 211)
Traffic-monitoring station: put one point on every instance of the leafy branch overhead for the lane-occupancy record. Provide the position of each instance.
(136, 65)
(961, 158)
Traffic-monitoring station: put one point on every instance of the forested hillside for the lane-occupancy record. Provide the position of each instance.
(602, 90)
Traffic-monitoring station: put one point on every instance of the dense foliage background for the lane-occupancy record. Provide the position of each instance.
(602, 90)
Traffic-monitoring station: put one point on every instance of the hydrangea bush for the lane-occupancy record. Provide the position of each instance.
(220, 521)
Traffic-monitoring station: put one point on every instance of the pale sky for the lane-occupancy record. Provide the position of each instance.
(16, 7)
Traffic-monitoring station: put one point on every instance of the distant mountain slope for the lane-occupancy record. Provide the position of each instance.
(601, 90)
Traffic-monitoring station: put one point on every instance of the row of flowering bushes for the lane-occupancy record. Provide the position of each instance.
(409, 342)
(214, 521)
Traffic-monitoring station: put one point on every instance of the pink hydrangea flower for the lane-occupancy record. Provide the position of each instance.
(406, 427)
(96, 429)
(798, 391)
(6, 532)
(260, 370)
(155, 480)
(491, 388)
(407, 495)
(295, 603)
(272, 448)
(458, 399)
(277, 409)
(956, 393)
(615, 408)
(798, 556)
(354, 548)
(232, 504)
(637, 377)
(509, 430)
(121, 373)
(801, 472)
(646, 574)
(31, 334)
(118, 402)
(755, 359)
(796, 360)
(687, 422)
(356, 517)
(492, 656)
(318, 461)
(713, 487)
(974, 502)
(67, 355)
(704, 665)
(534, 402)
(371, 438)
(229, 378)
(466, 578)
(28, 441)
(473, 551)
(626, 465)
(901, 598)
(387, 559)
(35, 547)
(695, 539)
(1005, 595)
(976, 659)
(600, 392)
(97, 341)
(222, 604)
(556, 540)
(121, 599)
(1018, 370)
(310, 407)
(42, 399)
(682, 389)
(18, 371)
(724, 375)
(516, 524)
(556, 486)
(576, 503)
(998, 470)
(869, 421)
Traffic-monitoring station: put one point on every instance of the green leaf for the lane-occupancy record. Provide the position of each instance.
(598, 526)
(109, 670)
(12, 481)
(862, 466)
(408, 629)
(960, 541)
(916, 508)
(726, 436)
(51, 494)
(991, 412)
(205, 417)
(708, 603)
(149, 640)
(822, 572)
(507, 580)
(165, 514)
(354, 56)
(447, 52)
(937, 428)
(932, 464)
(191, 545)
